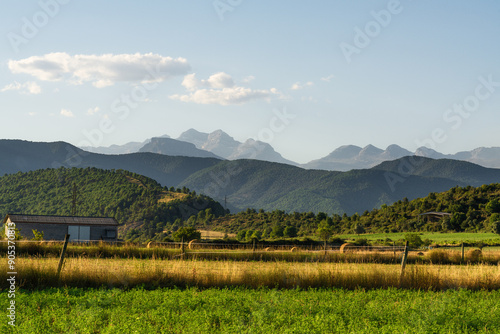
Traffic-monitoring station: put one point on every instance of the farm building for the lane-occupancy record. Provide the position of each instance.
(56, 227)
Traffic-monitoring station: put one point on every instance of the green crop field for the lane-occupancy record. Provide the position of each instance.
(440, 238)
(241, 310)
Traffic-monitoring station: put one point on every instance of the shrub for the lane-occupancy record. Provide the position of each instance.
(414, 240)
(187, 233)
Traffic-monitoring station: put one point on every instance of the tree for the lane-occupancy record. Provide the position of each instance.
(493, 206)
(359, 229)
(324, 231)
(496, 227)
(414, 240)
(38, 236)
(290, 232)
(186, 234)
(277, 232)
(241, 235)
(257, 235)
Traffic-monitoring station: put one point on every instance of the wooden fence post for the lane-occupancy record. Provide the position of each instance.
(325, 247)
(463, 252)
(182, 246)
(63, 251)
(403, 260)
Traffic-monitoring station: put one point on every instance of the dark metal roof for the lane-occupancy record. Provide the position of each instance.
(435, 214)
(15, 218)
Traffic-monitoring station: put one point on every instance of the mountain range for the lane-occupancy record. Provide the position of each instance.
(244, 183)
(344, 158)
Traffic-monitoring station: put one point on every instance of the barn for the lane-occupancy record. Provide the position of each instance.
(56, 227)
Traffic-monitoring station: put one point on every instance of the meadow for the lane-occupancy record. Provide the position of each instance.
(132, 289)
(436, 238)
(242, 310)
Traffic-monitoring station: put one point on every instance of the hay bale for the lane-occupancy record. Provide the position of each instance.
(268, 249)
(294, 249)
(474, 255)
(151, 244)
(191, 244)
(345, 247)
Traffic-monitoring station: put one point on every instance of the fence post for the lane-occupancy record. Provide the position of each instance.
(324, 247)
(182, 245)
(63, 251)
(463, 252)
(403, 260)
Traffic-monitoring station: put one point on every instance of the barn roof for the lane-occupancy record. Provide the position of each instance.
(432, 213)
(67, 220)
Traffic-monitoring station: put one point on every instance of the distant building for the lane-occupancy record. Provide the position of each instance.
(56, 227)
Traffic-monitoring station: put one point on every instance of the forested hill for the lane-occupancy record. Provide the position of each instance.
(471, 210)
(141, 205)
(25, 156)
(270, 186)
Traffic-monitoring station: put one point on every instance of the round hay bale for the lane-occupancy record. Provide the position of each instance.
(294, 249)
(268, 249)
(474, 255)
(345, 247)
(151, 244)
(191, 243)
(42, 242)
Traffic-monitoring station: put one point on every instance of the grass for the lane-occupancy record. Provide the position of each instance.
(39, 273)
(70, 310)
(439, 238)
(199, 252)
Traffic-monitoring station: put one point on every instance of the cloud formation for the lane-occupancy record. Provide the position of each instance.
(29, 87)
(100, 70)
(219, 88)
(298, 85)
(67, 113)
(328, 78)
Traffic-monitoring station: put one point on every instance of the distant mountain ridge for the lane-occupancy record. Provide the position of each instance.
(344, 158)
(261, 184)
(172, 147)
(351, 157)
(225, 146)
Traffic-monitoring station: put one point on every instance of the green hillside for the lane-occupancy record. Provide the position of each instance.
(25, 156)
(271, 186)
(472, 210)
(141, 205)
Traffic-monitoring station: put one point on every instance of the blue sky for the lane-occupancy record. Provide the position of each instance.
(307, 77)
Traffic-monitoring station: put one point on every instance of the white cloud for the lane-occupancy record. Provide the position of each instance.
(248, 79)
(217, 80)
(32, 113)
(298, 85)
(220, 88)
(93, 111)
(67, 113)
(100, 70)
(328, 78)
(29, 87)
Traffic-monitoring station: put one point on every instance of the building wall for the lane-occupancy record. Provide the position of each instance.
(96, 232)
(58, 231)
(50, 231)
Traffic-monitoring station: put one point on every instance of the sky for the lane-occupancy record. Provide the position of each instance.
(304, 76)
